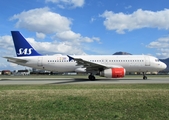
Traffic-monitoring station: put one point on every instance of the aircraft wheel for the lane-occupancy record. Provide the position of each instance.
(91, 77)
(144, 77)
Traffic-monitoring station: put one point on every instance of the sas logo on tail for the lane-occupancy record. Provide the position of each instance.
(26, 51)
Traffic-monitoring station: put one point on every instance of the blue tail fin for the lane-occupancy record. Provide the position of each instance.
(22, 47)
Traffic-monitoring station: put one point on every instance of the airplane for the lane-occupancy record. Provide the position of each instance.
(110, 66)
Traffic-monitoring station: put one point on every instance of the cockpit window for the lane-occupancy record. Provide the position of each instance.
(157, 60)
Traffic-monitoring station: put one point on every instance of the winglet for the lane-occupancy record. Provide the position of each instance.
(70, 58)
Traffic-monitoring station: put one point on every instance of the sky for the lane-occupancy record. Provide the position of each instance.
(76, 27)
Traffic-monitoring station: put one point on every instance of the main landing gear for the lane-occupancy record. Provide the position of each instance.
(144, 76)
(91, 77)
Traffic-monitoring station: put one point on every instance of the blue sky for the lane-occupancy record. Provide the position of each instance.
(86, 27)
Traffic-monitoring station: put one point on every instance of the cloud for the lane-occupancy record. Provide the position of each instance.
(42, 20)
(6, 42)
(40, 35)
(68, 35)
(6, 46)
(52, 25)
(89, 40)
(55, 47)
(68, 3)
(137, 20)
(3, 65)
(75, 37)
(160, 43)
(128, 7)
(92, 19)
(64, 47)
(162, 47)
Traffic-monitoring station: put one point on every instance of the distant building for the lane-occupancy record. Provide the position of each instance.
(6, 72)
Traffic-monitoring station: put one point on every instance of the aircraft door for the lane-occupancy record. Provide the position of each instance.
(40, 61)
(147, 61)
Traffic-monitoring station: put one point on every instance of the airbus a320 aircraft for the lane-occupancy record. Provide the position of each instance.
(110, 66)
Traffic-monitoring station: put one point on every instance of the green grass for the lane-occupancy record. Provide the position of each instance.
(97, 102)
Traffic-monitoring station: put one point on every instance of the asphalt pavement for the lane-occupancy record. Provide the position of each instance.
(32, 81)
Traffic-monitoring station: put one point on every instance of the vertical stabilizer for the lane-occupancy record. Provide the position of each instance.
(22, 47)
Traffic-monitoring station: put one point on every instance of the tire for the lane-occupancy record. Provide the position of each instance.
(91, 77)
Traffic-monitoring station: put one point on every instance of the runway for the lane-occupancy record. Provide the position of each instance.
(35, 81)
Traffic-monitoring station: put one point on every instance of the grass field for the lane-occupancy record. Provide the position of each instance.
(89, 102)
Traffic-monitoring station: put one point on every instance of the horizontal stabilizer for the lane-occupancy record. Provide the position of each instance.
(15, 60)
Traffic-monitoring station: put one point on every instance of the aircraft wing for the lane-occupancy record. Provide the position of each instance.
(91, 66)
(16, 60)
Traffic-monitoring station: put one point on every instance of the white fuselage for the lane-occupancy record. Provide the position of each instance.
(61, 63)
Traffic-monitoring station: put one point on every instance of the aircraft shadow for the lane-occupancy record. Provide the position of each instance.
(76, 80)
(79, 80)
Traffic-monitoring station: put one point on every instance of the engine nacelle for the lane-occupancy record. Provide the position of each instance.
(113, 73)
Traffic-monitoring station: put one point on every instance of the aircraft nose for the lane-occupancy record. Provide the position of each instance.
(164, 66)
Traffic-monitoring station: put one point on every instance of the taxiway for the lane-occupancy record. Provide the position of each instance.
(31, 81)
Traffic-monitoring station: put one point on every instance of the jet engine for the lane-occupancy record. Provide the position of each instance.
(113, 73)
